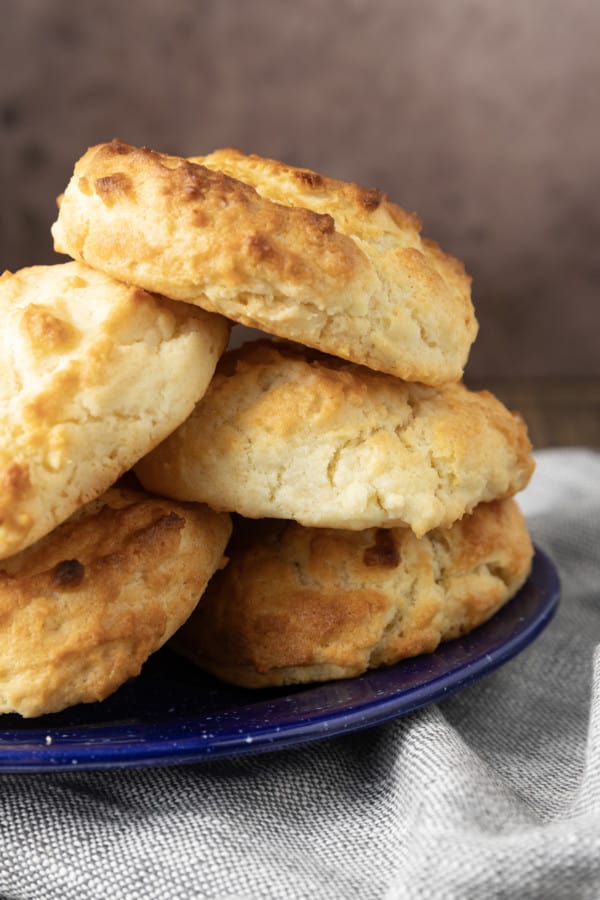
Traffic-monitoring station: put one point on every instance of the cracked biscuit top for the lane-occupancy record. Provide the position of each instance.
(301, 604)
(284, 432)
(322, 262)
(94, 374)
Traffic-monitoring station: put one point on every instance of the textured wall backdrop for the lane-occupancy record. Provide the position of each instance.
(481, 116)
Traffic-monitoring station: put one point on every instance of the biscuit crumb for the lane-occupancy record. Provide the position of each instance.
(384, 551)
(68, 573)
(15, 479)
(114, 187)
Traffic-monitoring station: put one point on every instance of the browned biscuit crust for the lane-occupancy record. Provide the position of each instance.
(289, 434)
(301, 604)
(318, 261)
(83, 608)
(94, 374)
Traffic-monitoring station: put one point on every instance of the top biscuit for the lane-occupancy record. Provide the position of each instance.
(322, 262)
(95, 373)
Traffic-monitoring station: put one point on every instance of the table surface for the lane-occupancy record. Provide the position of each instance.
(559, 413)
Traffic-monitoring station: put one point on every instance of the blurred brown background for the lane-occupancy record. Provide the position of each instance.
(482, 116)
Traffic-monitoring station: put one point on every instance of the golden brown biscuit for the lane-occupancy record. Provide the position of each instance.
(282, 433)
(83, 608)
(301, 604)
(95, 373)
(318, 261)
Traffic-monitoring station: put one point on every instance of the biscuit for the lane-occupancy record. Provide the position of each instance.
(301, 604)
(322, 262)
(83, 608)
(288, 434)
(95, 373)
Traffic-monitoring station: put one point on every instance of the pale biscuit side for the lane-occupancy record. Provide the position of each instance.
(334, 445)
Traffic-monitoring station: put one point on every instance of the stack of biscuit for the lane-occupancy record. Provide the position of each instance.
(371, 492)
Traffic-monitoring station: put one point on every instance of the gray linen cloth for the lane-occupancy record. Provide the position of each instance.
(493, 793)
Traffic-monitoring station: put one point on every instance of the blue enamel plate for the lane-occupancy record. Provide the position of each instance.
(173, 713)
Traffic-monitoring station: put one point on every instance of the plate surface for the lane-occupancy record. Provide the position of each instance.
(173, 713)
